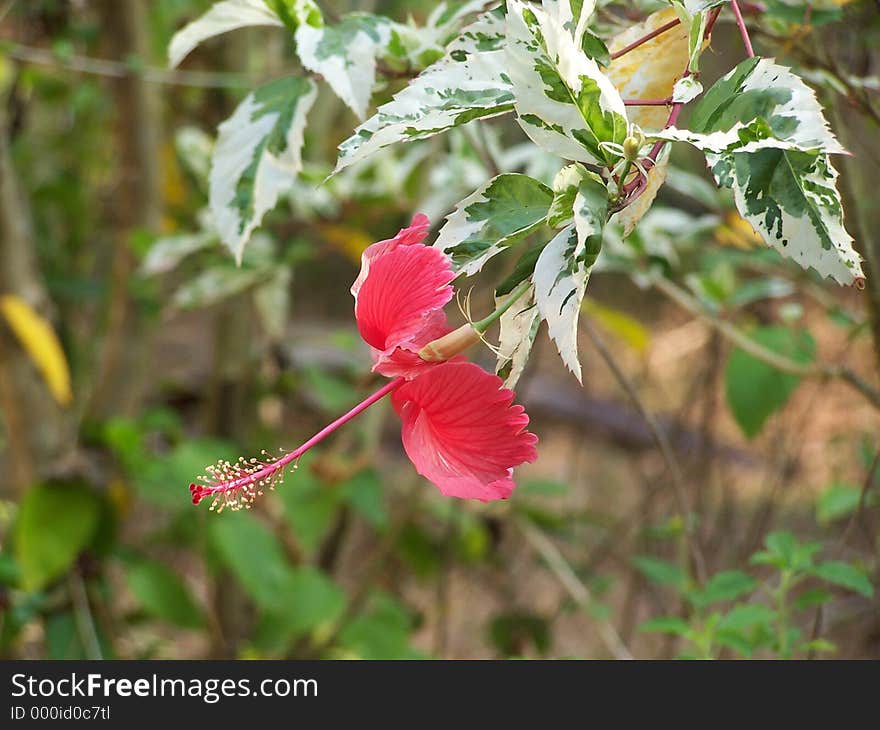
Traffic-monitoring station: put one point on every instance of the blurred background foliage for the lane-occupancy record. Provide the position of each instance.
(133, 352)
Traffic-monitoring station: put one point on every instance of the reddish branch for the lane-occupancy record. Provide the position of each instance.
(743, 31)
(645, 38)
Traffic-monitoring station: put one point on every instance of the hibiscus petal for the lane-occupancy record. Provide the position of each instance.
(397, 300)
(403, 358)
(414, 233)
(461, 431)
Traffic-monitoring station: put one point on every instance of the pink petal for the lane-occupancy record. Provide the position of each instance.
(461, 431)
(414, 233)
(403, 358)
(399, 300)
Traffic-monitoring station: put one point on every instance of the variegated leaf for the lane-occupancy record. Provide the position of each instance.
(257, 157)
(564, 266)
(758, 105)
(564, 103)
(565, 188)
(651, 70)
(345, 55)
(468, 83)
(791, 199)
(221, 17)
(519, 326)
(504, 210)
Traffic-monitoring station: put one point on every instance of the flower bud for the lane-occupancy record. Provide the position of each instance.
(633, 144)
(448, 346)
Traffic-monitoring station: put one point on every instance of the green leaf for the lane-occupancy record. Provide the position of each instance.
(725, 586)
(666, 625)
(312, 601)
(254, 556)
(468, 83)
(162, 594)
(497, 215)
(257, 157)
(162, 481)
(844, 575)
(381, 632)
(838, 501)
(515, 633)
(564, 103)
(755, 390)
(660, 571)
(55, 522)
(745, 616)
(309, 506)
(364, 493)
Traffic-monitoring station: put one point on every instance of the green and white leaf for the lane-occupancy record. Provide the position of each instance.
(565, 189)
(564, 103)
(468, 83)
(221, 17)
(564, 266)
(686, 90)
(503, 211)
(758, 105)
(257, 157)
(791, 199)
(345, 55)
(519, 327)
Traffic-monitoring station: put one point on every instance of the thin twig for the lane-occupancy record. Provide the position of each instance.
(759, 352)
(645, 38)
(119, 69)
(82, 612)
(662, 441)
(743, 31)
(573, 585)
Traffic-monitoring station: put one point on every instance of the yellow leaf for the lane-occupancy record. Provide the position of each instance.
(40, 342)
(737, 232)
(651, 70)
(619, 324)
(351, 241)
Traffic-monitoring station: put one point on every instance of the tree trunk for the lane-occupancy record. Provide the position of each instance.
(137, 207)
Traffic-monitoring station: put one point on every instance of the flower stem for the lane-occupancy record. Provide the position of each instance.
(743, 31)
(521, 289)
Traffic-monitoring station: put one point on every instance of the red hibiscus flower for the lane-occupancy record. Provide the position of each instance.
(460, 428)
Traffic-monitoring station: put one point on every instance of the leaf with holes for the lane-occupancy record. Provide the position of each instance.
(257, 157)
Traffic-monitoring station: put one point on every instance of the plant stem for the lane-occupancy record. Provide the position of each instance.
(759, 352)
(648, 102)
(782, 611)
(573, 585)
(743, 31)
(645, 38)
(675, 473)
(521, 289)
